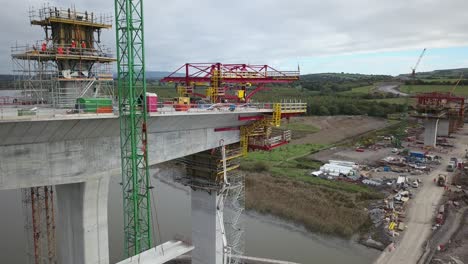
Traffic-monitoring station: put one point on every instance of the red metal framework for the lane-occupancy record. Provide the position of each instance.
(443, 100)
(231, 77)
(40, 223)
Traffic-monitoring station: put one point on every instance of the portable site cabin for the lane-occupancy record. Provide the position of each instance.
(339, 170)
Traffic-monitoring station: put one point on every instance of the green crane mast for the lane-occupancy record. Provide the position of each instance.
(133, 120)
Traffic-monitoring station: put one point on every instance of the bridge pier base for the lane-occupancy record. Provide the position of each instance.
(430, 132)
(443, 129)
(82, 222)
(207, 235)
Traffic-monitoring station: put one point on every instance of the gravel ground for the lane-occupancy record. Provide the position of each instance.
(338, 128)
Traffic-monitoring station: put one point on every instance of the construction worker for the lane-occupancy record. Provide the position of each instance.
(60, 50)
(44, 47)
(73, 44)
(83, 45)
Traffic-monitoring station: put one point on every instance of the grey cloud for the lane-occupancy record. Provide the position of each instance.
(268, 31)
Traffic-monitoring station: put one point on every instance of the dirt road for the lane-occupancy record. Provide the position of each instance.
(421, 213)
(391, 88)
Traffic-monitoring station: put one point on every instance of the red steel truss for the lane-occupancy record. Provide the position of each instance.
(242, 75)
(446, 100)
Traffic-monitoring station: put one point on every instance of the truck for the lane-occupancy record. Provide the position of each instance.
(442, 180)
(451, 166)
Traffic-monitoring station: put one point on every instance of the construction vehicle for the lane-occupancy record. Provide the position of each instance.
(451, 166)
(181, 103)
(442, 180)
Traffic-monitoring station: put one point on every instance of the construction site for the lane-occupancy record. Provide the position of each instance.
(77, 140)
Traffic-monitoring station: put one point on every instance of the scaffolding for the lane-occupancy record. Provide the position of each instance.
(70, 62)
(206, 171)
(39, 214)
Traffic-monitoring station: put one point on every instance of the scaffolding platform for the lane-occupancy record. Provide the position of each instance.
(48, 15)
(54, 56)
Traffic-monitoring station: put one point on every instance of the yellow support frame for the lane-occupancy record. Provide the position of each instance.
(276, 115)
(268, 122)
(212, 91)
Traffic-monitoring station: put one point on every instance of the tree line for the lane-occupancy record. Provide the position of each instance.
(330, 105)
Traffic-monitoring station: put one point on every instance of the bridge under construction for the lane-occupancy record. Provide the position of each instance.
(70, 131)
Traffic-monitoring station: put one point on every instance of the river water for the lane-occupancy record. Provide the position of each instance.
(266, 236)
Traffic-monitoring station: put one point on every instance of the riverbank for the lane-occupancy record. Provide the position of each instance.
(334, 210)
(279, 182)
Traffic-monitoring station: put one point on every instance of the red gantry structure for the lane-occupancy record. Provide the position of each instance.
(443, 105)
(443, 113)
(218, 79)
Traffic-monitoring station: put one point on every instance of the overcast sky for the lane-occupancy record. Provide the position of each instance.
(367, 36)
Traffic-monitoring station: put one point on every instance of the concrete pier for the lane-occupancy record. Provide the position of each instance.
(82, 222)
(206, 228)
(430, 132)
(443, 130)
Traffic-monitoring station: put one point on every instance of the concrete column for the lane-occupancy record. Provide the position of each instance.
(443, 128)
(207, 237)
(82, 222)
(430, 132)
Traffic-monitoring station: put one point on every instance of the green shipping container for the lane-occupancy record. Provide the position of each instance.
(91, 105)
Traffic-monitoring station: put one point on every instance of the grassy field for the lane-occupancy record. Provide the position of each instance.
(359, 90)
(163, 91)
(452, 80)
(397, 100)
(461, 90)
(279, 183)
(319, 208)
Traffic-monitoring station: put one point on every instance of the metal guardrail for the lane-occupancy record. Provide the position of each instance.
(20, 109)
(293, 107)
(51, 12)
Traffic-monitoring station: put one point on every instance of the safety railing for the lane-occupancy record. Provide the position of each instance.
(30, 110)
(49, 12)
(293, 108)
(262, 74)
(22, 108)
(41, 48)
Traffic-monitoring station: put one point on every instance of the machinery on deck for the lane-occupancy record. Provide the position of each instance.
(226, 82)
(237, 83)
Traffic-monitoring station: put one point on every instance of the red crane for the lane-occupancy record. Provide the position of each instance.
(222, 78)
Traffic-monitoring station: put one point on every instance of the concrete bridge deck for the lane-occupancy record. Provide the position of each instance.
(11, 112)
(78, 153)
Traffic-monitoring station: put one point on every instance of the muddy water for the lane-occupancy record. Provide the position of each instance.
(265, 237)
